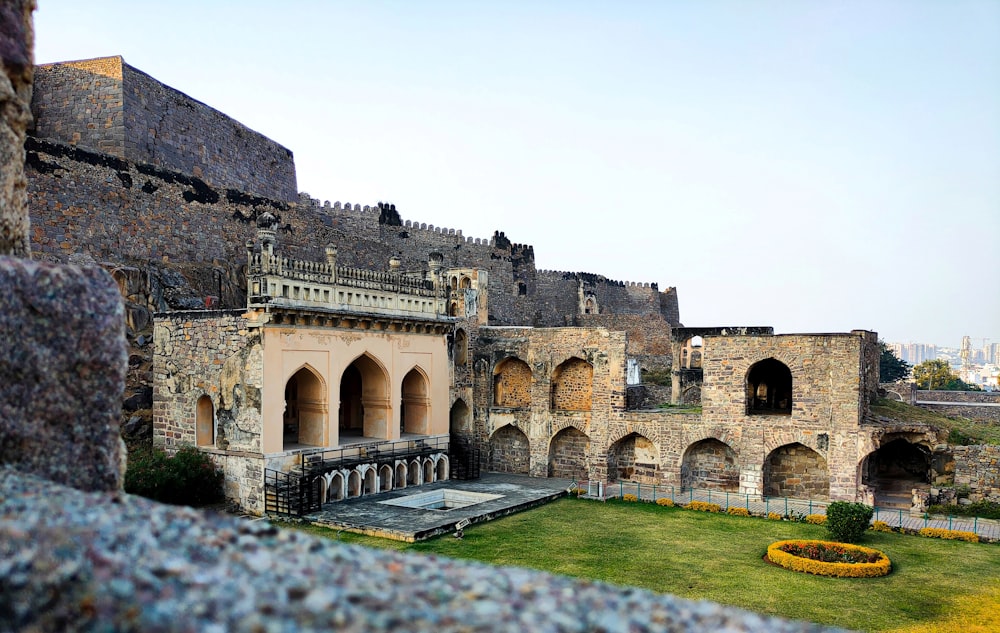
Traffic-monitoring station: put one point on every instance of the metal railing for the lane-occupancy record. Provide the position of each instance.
(785, 506)
(290, 494)
(351, 456)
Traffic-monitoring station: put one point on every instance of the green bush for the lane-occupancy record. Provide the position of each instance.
(847, 522)
(982, 509)
(187, 478)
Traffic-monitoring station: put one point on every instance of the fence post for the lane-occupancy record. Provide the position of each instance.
(710, 495)
(900, 519)
(786, 506)
(748, 502)
(638, 491)
(975, 524)
(949, 521)
(690, 495)
(621, 488)
(810, 506)
(727, 500)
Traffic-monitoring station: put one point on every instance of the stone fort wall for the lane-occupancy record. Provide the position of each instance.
(106, 105)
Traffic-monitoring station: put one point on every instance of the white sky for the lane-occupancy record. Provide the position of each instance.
(816, 166)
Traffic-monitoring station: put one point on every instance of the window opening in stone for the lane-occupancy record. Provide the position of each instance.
(769, 388)
(304, 420)
(466, 283)
(205, 421)
(512, 384)
(459, 417)
(572, 386)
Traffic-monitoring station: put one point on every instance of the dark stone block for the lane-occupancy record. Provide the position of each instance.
(62, 372)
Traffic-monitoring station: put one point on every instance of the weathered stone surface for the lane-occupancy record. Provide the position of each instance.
(16, 70)
(62, 372)
(73, 561)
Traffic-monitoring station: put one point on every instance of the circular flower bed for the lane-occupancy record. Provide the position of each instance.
(825, 558)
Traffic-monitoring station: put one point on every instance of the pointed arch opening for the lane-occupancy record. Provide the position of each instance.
(512, 384)
(205, 421)
(371, 481)
(568, 454)
(894, 470)
(304, 421)
(335, 489)
(414, 473)
(354, 484)
(572, 386)
(385, 476)
(441, 469)
(509, 451)
(634, 458)
(364, 401)
(400, 481)
(415, 407)
(461, 348)
(769, 388)
(710, 464)
(458, 418)
(795, 470)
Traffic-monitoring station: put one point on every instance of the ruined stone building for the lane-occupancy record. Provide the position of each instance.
(340, 351)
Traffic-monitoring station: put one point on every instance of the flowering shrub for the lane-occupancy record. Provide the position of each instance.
(663, 501)
(816, 519)
(881, 526)
(577, 491)
(774, 516)
(630, 498)
(829, 559)
(738, 512)
(956, 535)
(703, 506)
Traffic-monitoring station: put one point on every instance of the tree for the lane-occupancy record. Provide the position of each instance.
(890, 367)
(937, 374)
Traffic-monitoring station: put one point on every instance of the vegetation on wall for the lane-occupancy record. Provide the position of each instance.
(961, 430)
(187, 478)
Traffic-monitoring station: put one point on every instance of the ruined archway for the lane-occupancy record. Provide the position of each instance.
(795, 470)
(634, 458)
(458, 418)
(461, 348)
(205, 421)
(710, 464)
(364, 400)
(415, 409)
(512, 384)
(304, 421)
(509, 451)
(894, 470)
(572, 385)
(568, 455)
(769, 388)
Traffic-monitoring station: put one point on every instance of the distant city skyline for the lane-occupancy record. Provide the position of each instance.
(809, 166)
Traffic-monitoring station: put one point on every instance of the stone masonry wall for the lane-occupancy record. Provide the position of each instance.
(979, 468)
(106, 105)
(572, 387)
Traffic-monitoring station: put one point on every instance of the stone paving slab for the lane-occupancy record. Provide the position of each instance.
(367, 515)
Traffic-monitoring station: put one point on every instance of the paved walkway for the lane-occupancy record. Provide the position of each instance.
(985, 528)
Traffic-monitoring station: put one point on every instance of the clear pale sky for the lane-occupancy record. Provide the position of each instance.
(815, 166)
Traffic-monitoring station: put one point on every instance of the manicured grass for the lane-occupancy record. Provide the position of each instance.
(717, 557)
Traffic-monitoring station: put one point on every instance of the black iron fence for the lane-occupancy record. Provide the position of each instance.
(290, 494)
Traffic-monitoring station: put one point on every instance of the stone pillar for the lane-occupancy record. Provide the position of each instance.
(17, 61)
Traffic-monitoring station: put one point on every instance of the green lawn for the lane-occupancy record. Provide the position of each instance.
(718, 557)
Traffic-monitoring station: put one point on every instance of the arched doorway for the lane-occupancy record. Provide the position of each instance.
(895, 470)
(364, 400)
(634, 458)
(509, 451)
(769, 388)
(305, 410)
(459, 417)
(572, 385)
(710, 464)
(568, 454)
(795, 470)
(414, 413)
(205, 421)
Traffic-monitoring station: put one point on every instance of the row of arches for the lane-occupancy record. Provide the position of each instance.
(369, 479)
(570, 388)
(365, 408)
(791, 470)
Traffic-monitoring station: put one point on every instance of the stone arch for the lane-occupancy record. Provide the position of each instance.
(795, 470)
(364, 399)
(568, 454)
(512, 384)
(415, 408)
(461, 348)
(769, 388)
(335, 486)
(895, 469)
(304, 420)
(205, 421)
(354, 484)
(572, 385)
(428, 471)
(400, 481)
(371, 480)
(509, 451)
(441, 468)
(458, 418)
(710, 464)
(466, 283)
(634, 457)
(453, 309)
(454, 282)
(590, 306)
(414, 472)
(385, 475)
